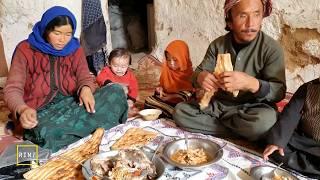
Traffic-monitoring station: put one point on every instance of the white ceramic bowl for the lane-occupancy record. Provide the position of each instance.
(150, 114)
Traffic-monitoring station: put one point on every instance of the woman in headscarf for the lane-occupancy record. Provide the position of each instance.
(50, 90)
(175, 79)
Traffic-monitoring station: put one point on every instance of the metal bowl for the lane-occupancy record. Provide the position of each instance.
(211, 149)
(266, 172)
(87, 171)
(157, 161)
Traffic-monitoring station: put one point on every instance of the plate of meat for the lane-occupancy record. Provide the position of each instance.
(123, 164)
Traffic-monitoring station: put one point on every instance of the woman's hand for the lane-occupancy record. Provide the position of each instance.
(270, 149)
(86, 97)
(28, 117)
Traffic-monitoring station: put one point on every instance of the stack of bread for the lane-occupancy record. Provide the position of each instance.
(134, 138)
(67, 165)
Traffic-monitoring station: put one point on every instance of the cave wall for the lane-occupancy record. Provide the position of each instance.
(294, 23)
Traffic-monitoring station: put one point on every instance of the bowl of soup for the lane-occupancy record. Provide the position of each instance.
(199, 154)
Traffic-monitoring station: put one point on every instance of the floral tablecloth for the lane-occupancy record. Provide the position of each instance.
(235, 163)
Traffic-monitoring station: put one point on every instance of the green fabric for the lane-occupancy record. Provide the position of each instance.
(263, 58)
(250, 121)
(63, 121)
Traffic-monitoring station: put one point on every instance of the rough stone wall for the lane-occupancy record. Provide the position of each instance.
(17, 18)
(302, 55)
(294, 23)
(196, 22)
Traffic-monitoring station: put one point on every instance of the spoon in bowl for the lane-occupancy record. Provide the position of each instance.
(157, 149)
(220, 148)
(186, 140)
(275, 169)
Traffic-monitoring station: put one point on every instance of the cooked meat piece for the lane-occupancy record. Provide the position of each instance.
(129, 164)
(137, 163)
(101, 167)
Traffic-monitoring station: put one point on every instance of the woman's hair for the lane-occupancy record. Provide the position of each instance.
(57, 21)
(119, 52)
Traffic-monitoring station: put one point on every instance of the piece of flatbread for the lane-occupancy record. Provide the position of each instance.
(223, 64)
(134, 138)
(65, 165)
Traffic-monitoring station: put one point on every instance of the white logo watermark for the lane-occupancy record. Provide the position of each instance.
(27, 153)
